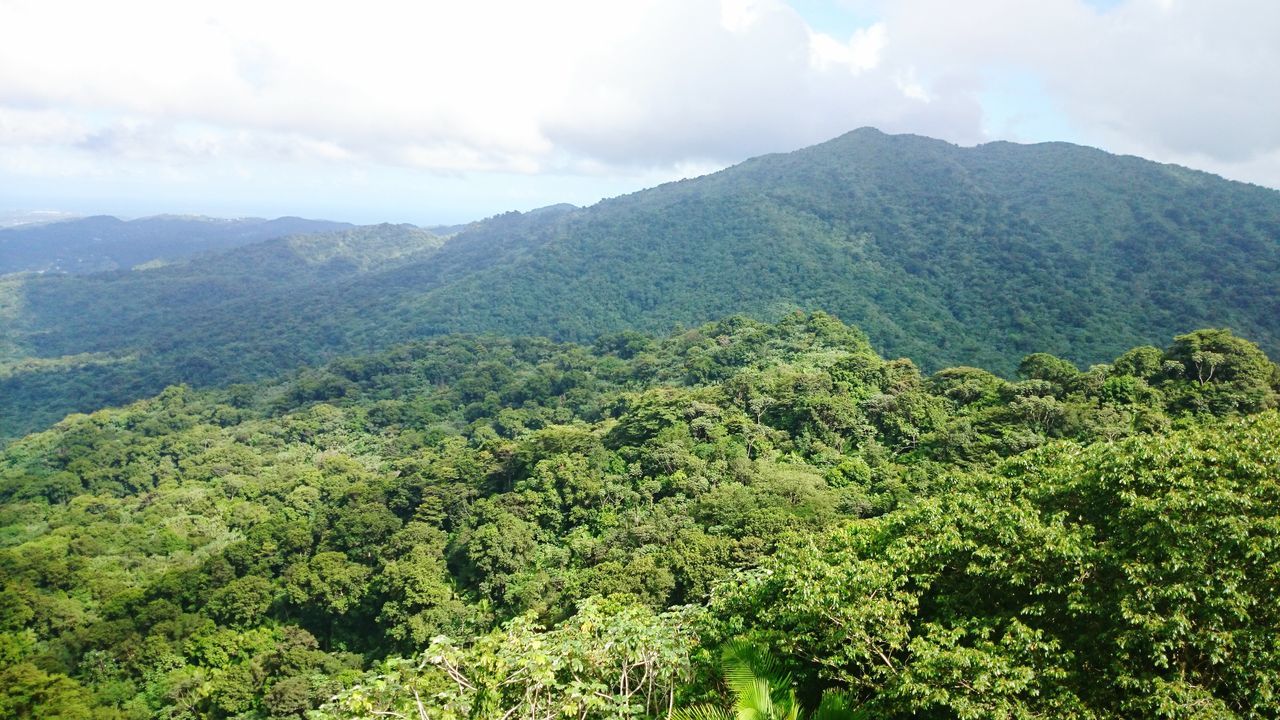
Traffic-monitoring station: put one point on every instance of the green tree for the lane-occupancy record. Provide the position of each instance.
(330, 581)
(243, 602)
(29, 693)
(419, 599)
(1043, 366)
(610, 661)
(1217, 372)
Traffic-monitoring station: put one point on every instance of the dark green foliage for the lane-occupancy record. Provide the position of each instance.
(946, 255)
(30, 692)
(1215, 371)
(1132, 579)
(81, 342)
(529, 513)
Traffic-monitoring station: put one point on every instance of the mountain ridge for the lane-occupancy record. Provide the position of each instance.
(944, 254)
(98, 243)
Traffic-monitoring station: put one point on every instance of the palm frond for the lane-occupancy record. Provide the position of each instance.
(700, 712)
(740, 656)
(838, 705)
(757, 702)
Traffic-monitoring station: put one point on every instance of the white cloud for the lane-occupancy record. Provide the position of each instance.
(1165, 79)
(456, 86)
(861, 53)
(38, 127)
(583, 87)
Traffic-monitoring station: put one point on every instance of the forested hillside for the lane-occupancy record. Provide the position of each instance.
(943, 254)
(485, 527)
(113, 337)
(101, 243)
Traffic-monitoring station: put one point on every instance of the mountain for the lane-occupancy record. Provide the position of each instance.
(77, 342)
(943, 254)
(102, 242)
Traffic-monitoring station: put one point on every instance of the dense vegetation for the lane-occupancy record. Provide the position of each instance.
(947, 255)
(99, 243)
(95, 354)
(739, 514)
(82, 342)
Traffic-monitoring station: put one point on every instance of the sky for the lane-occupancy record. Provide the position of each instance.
(444, 112)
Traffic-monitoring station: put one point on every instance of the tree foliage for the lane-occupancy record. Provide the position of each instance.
(946, 255)
(478, 525)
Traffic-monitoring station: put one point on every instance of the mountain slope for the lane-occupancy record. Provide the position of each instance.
(947, 255)
(75, 343)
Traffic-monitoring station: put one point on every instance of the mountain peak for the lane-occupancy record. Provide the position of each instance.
(947, 255)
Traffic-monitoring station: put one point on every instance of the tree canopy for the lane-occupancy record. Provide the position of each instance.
(475, 526)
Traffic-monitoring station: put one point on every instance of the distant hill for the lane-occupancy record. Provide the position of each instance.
(102, 242)
(947, 255)
(32, 218)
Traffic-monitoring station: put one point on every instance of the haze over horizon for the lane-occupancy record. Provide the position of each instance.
(441, 114)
